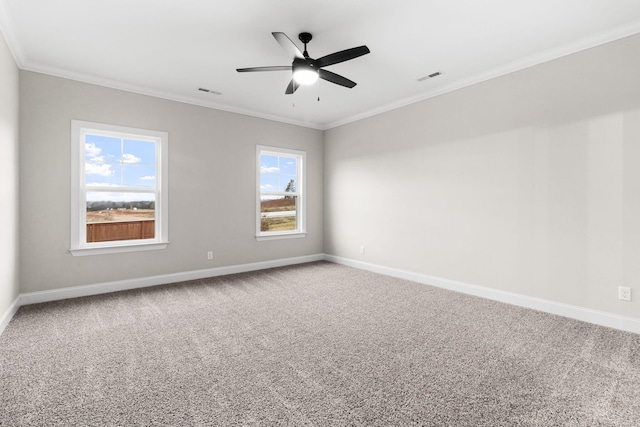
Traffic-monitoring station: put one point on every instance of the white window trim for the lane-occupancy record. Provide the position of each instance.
(301, 190)
(79, 247)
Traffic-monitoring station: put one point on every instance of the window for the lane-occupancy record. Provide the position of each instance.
(118, 189)
(280, 195)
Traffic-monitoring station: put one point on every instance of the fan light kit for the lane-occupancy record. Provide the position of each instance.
(305, 75)
(306, 70)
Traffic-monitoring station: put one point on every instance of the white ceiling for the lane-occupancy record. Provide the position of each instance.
(170, 48)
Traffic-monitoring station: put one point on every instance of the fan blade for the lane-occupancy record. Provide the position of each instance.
(343, 55)
(293, 86)
(336, 78)
(288, 45)
(273, 68)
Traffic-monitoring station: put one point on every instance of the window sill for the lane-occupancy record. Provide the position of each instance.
(280, 236)
(102, 250)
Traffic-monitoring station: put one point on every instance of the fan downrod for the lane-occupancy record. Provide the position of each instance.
(305, 38)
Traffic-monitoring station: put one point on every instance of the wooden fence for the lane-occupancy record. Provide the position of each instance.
(121, 230)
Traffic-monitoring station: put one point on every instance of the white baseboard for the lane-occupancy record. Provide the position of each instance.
(8, 315)
(123, 285)
(143, 282)
(579, 313)
(601, 318)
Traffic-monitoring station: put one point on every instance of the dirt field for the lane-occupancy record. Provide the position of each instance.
(120, 215)
(277, 205)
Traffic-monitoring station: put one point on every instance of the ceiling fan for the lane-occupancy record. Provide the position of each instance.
(307, 70)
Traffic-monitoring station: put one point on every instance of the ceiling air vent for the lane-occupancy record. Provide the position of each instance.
(209, 91)
(429, 76)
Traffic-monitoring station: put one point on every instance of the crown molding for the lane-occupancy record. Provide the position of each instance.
(521, 64)
(7, 29)
(112, 84)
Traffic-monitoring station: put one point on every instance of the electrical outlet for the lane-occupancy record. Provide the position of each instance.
(210, 255)
(624, 293)
(362, 250)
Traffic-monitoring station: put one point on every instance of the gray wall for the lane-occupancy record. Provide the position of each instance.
(212, 184)
(527, 183)
(9, 285)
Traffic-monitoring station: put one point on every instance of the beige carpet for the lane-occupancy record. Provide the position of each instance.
(317, 344)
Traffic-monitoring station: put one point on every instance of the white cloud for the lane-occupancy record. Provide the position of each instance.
(130, 158)
(91, 150)
(265, 169)
(266, 187)
(102, 169)
(148, 178)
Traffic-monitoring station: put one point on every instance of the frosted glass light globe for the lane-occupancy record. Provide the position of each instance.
(305, 76)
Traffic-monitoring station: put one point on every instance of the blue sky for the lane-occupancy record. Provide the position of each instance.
(276, 172)
(116, 162)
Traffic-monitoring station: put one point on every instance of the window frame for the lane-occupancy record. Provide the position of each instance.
(301, 222)
(79, 245)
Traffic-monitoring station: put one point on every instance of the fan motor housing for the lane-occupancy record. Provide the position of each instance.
(305, 63)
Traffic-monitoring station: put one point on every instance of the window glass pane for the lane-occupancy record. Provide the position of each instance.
(143, 152)
(139, 175)
(278, 173)
(269, 164)
(103, 175)
(287, 183)
(288, 165)
(268, 182)
(114, 162)
(120, 216)
(102, 149)
(278, 213)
